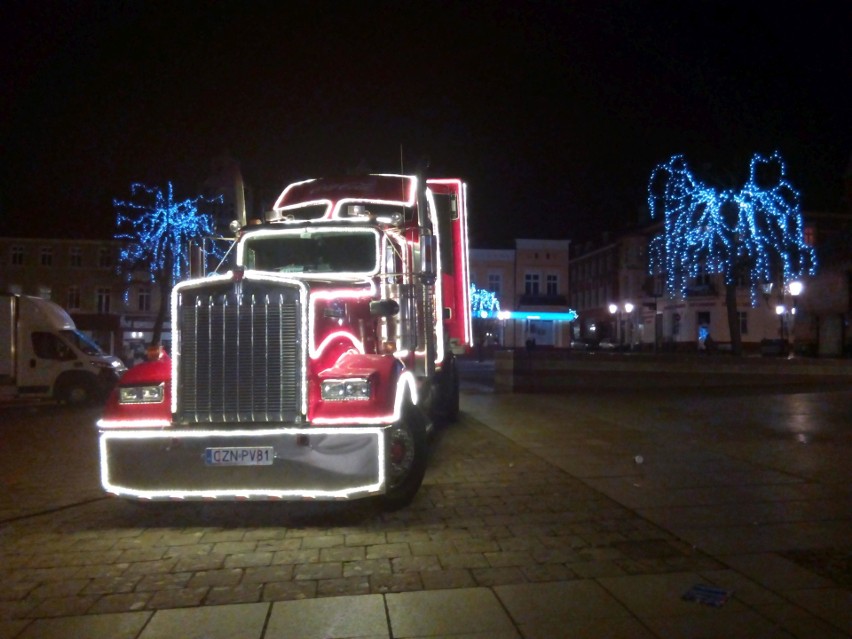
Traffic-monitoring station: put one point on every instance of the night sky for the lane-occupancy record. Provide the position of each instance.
(554, 112)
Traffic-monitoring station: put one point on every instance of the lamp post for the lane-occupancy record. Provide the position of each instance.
(613, 309)
(618, 311)
(795, 287)
(780, 310)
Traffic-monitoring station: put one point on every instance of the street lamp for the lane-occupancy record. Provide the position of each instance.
(780, 309)
(795, 287)
(613, 309)
(618, 311)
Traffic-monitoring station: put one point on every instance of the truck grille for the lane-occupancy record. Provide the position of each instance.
(240, 355)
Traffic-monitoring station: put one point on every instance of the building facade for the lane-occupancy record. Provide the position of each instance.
(82, 277)
(531, 282)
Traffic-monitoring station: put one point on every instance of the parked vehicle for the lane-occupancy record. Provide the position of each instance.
(315, 368)
(43, 355)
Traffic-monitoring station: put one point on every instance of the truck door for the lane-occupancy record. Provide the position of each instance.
(43, 359)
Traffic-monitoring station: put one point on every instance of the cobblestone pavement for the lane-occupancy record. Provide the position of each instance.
(490, 513)
(610, 493)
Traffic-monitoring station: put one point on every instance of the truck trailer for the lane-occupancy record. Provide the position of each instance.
(44, 356)
(316, 366)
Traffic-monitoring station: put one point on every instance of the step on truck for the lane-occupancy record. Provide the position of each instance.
(317, 365)
(44, 356)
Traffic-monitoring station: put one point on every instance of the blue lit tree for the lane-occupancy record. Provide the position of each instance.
(160, 231)
(752, 236)
(482, 301)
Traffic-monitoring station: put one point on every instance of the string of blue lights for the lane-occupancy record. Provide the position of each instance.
(160, 230)
(754, 234)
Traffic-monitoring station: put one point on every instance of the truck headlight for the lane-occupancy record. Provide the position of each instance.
(343, 390)
(140, 394)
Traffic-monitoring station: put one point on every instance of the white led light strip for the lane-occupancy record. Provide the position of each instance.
(237, 492)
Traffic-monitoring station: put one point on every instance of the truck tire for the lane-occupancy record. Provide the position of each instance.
(407, 451)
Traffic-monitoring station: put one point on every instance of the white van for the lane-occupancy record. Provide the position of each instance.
(43, 355)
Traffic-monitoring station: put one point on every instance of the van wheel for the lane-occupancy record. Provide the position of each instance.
(406, 449)
(74, 393)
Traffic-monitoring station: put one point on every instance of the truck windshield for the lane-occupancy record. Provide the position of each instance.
(83, 343)
(313, 252)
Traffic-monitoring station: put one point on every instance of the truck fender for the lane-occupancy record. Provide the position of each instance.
(147, 373)
(390, 384)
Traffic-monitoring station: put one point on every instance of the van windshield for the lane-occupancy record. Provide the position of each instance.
(81, 342)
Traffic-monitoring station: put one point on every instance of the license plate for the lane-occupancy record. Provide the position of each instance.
(239, 456)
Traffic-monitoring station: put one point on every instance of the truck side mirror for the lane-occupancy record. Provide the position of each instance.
(384, 308)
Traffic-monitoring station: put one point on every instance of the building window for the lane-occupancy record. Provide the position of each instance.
(675, 324)
(495, 283)
(17, 256)
(552, 284)
(809, 233)
(45, 292)
(104, 257)
(144, 299)
(46, 256)
(74, 298)
(702, 279)
(102, 297)
(743, 319)
(75, 255)
(531, 284)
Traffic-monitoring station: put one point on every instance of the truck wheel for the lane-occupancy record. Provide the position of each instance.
(406, 447)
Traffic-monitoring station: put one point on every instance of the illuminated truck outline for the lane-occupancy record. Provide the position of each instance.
(335, 375)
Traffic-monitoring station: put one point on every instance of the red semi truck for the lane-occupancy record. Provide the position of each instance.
(316, 366)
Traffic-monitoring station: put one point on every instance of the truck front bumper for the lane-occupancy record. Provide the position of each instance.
(282, 463)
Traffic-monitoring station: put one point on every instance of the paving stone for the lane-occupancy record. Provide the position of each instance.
(415, 564)
(177, 598)
(400, 582)
(366, 567)
(365, 538)
(289, 590)
(149, 567)
(108, 585)
(342, 553)
(196, 563)
(388, 551)
(498, 576)
(442, 579)
(163, 581)
(356, 585)
(296, 556)
(234, 547)
(266, 574)
(247, 559)
(329, 570)
(124, 602)
(323, 541)
(274, 545)
(243, 593)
